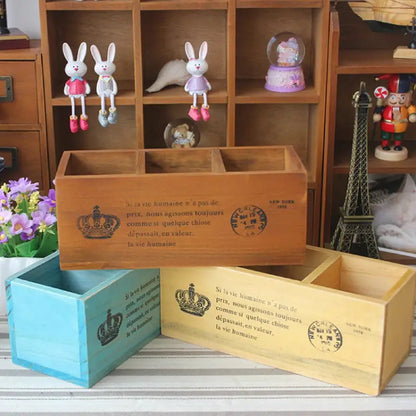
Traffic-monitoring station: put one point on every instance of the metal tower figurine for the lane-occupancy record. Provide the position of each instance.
(354, 228)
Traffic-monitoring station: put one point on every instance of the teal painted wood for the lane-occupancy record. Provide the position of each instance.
(80, 325)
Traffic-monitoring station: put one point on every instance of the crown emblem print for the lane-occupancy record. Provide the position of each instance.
(192, 302)
(98, 225)
(108, 330)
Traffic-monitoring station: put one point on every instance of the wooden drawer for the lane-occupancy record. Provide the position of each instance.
(20, 77)
(28, 161)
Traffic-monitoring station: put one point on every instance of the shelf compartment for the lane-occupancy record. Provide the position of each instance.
(299, 129)
(252, 91)
(254, 29)
(343, 157)
(121, 135)
(89, 5)
(92, 33)
(156, 118)
(372, 61)
(177, 94)
(193, 26)
(183, 4)
(278, 4)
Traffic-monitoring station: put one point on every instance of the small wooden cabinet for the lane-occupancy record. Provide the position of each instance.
(149, 33)
(23, 141)
(356, 53)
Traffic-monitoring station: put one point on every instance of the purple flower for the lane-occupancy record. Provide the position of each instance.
(5, 216)
(49, 201)
(4, 199)
(21, 224)
(23, 185)
(28, 236)
(43, 219)
(3, 237)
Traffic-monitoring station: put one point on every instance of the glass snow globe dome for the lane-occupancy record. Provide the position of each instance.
(285, 52)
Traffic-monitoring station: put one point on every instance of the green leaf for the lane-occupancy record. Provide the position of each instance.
(28, 248)
(49, 242)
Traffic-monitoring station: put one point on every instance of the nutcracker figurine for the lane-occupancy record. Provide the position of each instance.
(394, 110)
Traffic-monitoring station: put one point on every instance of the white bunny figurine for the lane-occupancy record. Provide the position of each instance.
(106, 84)
(197, 84)
(76, 86)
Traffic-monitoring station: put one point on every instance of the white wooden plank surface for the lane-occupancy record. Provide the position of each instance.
(170, 377)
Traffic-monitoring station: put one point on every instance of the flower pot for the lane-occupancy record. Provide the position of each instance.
(8, 267)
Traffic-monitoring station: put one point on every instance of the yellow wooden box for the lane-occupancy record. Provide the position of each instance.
(340, 318)
(181, 207)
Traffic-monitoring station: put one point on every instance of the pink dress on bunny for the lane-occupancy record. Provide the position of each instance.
(77, 86)
(197, 84)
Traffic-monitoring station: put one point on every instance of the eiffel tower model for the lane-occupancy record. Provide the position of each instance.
(354, 232)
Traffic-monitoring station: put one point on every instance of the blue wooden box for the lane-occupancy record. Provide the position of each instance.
(79, 325)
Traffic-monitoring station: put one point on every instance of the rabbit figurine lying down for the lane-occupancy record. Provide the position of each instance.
(197, 84)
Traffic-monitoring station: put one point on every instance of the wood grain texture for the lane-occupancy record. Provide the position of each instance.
(312, 320)
(181, 209)
(55, 319)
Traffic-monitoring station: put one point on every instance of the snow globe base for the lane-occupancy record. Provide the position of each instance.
(285, 79)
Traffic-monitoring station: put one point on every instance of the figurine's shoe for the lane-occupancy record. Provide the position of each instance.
(73, 124)
(102, 118)
(83, 122)
(113, 116)
(386, 147)
(205, 113)
(398, 148)
(194, 113)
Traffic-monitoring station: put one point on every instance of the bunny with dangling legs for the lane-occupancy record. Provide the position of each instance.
(76, 86)
(197, 84)
(106, 84)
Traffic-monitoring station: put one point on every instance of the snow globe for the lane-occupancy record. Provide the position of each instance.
(285, 51)
(181, 133)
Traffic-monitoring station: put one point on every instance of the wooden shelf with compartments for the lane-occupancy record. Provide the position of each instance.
(149, 33)
(352, 60)
(23, 142)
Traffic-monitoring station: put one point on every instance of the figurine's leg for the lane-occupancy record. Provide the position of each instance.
(102, 114)
(385, 140)
(83, 122)
(205, 108)
(398, 137)
(73, 119)
(193, 111)
(113, 116)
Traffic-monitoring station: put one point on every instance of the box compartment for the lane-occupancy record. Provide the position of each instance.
(181, 207)
(80, 325)
(339, 318)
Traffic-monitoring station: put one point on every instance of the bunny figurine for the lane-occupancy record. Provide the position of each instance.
(106, 84)
(76, 86)
(197, 84)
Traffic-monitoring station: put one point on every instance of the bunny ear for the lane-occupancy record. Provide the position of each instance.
(95, 53)
(189, 51)
(203, 50)
(67, 52)
(82, 51)
(111, 53)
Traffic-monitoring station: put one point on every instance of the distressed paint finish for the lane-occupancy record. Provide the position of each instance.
(55, 318)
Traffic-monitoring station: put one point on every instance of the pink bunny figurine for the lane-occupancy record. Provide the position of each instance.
(106, 84)
(197, 84)
(76, 86)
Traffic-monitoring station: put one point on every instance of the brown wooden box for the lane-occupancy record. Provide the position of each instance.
(181, 207)
(339, 318)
